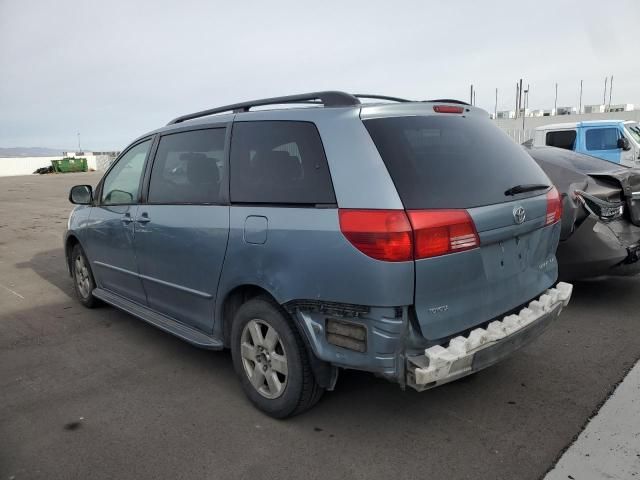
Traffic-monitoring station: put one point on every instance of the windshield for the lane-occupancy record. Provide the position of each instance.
(634, 131)
(439, 161)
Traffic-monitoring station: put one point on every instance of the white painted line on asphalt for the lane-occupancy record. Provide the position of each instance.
(609, 446)
(11, 291)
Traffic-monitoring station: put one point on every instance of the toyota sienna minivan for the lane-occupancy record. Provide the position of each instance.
(413, 240)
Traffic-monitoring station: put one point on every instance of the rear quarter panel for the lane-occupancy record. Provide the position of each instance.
(306, 257)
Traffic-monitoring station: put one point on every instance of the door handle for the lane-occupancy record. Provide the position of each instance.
(126, 218)
(144, 218)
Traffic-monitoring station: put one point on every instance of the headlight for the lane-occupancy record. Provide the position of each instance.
(605, 211)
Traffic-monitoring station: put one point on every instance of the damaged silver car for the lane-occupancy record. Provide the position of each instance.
(601, 213)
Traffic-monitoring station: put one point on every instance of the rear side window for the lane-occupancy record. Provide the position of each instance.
(602, 139)
(438, 161)
(562, 139)
(188, 167)
(279, 162)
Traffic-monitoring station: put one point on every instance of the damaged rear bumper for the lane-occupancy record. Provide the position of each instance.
(484, 347)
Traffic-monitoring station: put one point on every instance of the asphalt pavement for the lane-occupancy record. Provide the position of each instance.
(99, 394)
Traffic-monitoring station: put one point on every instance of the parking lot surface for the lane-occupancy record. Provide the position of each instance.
(99, 394)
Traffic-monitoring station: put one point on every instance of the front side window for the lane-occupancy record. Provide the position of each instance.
(188, 168)
(602, 139)
(122, 184)
(279, 162)
(561, 139)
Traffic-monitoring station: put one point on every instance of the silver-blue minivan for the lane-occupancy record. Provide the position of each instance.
(409, 239)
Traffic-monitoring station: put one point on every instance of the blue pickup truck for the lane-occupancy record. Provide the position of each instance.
(617, 141)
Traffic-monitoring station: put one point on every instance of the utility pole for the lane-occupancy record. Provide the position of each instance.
(520, 97)
(604, 95)
(526, 103)
(517, 91)
(471, 95)
(610, 90)
(495, 108)
(555, 103)
(79, 149)
(580, 102)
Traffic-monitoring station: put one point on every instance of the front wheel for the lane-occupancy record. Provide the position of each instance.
(271, 360)
(83, 281)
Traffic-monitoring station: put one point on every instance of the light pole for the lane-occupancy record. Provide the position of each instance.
(580, 103)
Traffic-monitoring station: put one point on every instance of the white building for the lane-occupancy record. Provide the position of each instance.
(623, 107)
(566, 111)
(594, 108)
(507, 114)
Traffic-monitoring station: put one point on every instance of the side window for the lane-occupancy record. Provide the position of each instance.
(602, 139)
(188, 167)
(562, 139)
(122, 184)
(279, 162)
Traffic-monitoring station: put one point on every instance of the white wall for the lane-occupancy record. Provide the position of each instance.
(23, 165)
(27, 165)
(513, 127)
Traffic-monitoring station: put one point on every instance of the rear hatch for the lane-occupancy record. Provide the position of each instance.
(456, 165)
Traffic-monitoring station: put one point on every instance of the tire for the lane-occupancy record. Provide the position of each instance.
(271, 360)
(83, 281)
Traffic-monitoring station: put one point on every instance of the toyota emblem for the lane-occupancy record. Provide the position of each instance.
(519, 215)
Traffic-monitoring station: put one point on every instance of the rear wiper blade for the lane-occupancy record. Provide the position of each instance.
(531, 187)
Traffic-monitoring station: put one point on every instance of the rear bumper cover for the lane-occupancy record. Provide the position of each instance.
(485, 347)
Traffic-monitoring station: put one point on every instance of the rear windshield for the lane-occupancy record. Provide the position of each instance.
(452, 162)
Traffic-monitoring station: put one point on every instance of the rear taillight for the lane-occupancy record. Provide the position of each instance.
(380, 234)
(399, 236)
(554, 206)
(438, 232)
(447, 109)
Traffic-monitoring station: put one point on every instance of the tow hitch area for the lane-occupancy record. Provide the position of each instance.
(484, 347)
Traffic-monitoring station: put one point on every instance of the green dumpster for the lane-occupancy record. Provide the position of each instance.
(69, 164)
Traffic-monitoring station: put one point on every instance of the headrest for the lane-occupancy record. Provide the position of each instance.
(275, 164)
(200, 168)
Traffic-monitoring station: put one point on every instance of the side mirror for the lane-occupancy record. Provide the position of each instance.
(623, 143)
(81, 195)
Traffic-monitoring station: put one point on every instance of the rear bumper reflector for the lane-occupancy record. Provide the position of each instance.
(484, 347)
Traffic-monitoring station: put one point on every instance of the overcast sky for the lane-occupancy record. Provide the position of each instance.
(114, 69)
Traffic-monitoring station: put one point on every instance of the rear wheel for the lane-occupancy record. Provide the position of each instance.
(271, 360)
(83, 281)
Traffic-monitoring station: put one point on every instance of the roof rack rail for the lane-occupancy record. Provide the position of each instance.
(327, 98)
(448, 100)
(381, 97)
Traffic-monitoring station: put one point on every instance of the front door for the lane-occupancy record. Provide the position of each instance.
(110, 245)
(181, 232)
